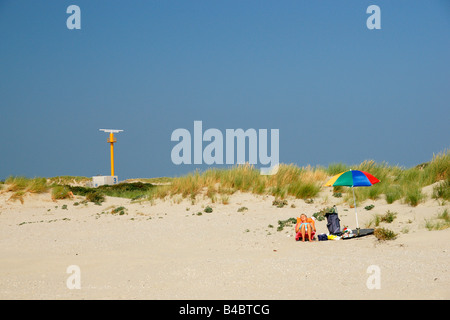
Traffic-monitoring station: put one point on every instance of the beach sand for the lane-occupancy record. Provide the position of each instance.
(165, 250)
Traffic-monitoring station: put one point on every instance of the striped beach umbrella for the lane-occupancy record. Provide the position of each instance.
(353, 178)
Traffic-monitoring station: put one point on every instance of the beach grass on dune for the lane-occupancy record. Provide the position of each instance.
(133, 190)
(60, 192)
(442, 190)
(62, 180)
(397, 183)
(20, 186)
(440, 222)
(290, 180)
(24, 184)
(404, 184)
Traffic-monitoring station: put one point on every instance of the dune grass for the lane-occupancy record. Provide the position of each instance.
(15, 184)
(60, 192)
(68, 180)
(20, 186)
(290, 180)
(384, 234)
(20, 183)
(388, 217)
(404, 184)
(397, 183)
(442, 190)
(442, 221)
(133, 191)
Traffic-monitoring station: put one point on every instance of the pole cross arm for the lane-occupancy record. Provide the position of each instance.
(110, 130)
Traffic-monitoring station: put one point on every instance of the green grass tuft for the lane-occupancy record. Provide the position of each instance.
(60, 192)
(383, 234)
(95, 197)
(286, 223)
(441, 222)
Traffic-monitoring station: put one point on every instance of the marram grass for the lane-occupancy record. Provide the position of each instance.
(397, 183)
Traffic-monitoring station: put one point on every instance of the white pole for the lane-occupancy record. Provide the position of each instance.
(356, 213)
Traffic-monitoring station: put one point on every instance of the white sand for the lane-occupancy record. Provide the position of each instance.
(163, 251)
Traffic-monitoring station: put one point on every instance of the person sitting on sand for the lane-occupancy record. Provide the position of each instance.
(305, 226)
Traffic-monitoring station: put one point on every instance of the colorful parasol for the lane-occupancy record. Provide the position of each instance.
(352, 178)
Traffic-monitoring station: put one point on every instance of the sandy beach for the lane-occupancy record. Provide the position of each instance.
(164, 150)
(167, 250)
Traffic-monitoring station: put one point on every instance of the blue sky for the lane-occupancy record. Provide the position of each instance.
(337, 91)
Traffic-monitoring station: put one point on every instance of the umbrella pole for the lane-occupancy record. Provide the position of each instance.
(356, 213)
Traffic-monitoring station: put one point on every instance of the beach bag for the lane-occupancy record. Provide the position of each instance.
(333, 223)
(322, 237)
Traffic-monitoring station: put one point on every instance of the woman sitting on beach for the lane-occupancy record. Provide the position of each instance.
(305, 226)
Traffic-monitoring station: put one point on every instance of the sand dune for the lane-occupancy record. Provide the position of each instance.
(168, 251)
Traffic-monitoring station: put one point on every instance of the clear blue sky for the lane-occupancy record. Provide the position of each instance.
(337, 91)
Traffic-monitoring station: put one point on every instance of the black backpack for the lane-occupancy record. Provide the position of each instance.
(333, 222)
